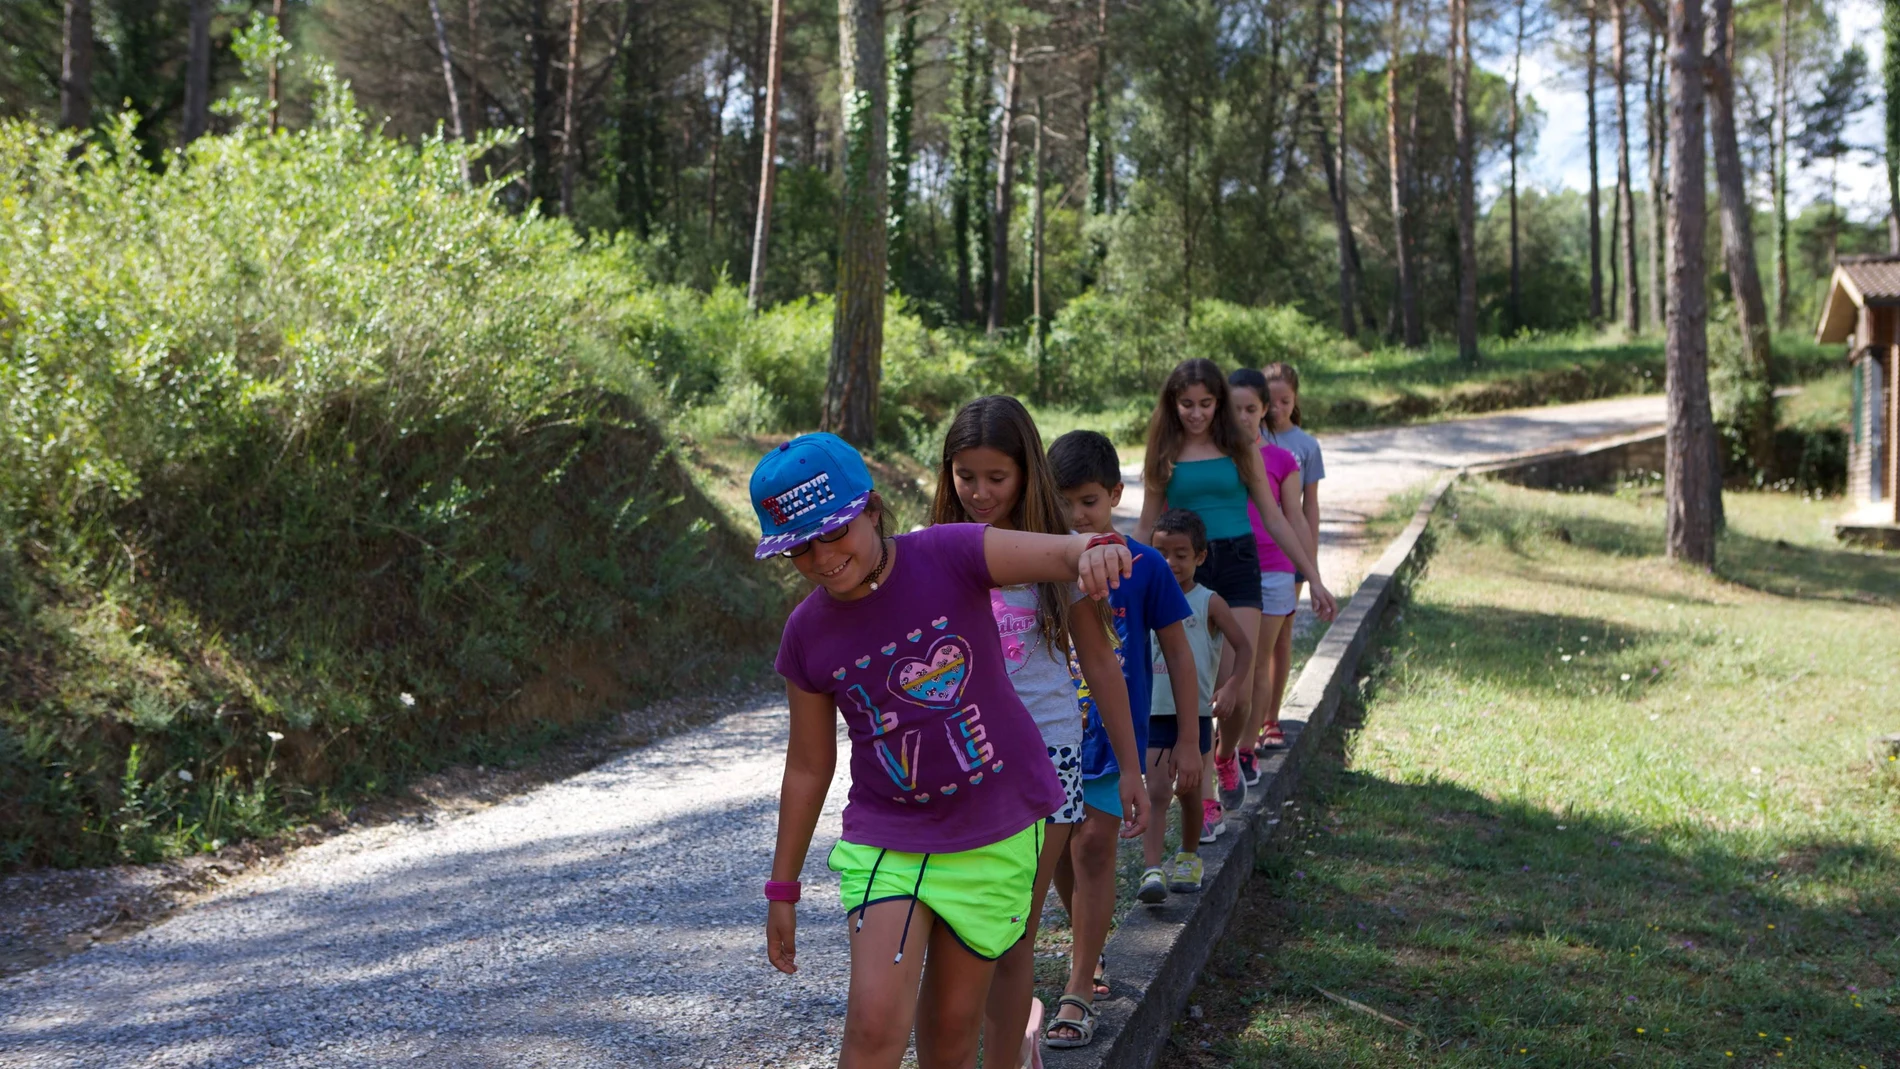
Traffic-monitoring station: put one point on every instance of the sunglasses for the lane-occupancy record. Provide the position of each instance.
(804, 547)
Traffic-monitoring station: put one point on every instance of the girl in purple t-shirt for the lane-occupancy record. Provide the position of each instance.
(943, 825)
(994, 471)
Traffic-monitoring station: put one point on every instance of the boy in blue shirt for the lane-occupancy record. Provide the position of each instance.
(1088, 473)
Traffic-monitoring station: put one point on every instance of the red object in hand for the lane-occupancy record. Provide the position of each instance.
(781, 890)
(1109, 539)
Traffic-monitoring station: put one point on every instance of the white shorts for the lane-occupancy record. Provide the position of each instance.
(1279, 595)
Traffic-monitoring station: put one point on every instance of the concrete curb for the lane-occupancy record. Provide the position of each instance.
(1157, 953)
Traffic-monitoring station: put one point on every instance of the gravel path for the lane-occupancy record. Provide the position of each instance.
(609, 919)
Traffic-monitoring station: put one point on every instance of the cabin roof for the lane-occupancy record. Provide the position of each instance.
(1858, 282)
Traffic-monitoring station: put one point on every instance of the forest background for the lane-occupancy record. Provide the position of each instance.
(371, 368)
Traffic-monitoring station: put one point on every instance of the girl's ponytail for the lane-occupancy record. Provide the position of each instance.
(1280, 371)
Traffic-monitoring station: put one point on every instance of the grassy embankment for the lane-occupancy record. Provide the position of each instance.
(1601, 810)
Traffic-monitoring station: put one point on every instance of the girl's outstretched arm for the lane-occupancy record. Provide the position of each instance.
(1017, 557)
(811, 755)
(1227, 693)
(1289, 539)
(1095, 651)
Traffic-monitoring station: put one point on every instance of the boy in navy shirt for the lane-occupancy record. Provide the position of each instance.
(1088, 473)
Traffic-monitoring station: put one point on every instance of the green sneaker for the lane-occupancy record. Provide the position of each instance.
(1187, 874)
(1152, 888)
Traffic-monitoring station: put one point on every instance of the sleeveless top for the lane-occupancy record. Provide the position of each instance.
(1212, 490)
(1206, 644)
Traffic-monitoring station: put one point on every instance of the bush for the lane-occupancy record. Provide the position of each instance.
(318, 469)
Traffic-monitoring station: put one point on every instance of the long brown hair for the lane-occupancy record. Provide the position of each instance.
(1279, 371)
(1003, 424)
(1165, 433)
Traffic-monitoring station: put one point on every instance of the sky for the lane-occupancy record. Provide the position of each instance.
(1562, 157)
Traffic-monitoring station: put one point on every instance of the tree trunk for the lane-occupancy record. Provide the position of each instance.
(1005, 199)
(1757, 412)
(1890, 79)
(857, 331)
(1590, 124)
(633, 190)
(568, 153)
(1095, 121)
(1689, 486)
(719, 134)
(1038, 319)
(1778, 162)
(1467, 182)
(477, 102)
(902, 96)
(75, 68)
(541, 179)
(1656, 104)
(961, 161)
(1625, 195)
(1413, 335)
(448, 77)
(768, 157)
(197, 117)
(1336, 175)
(1517, 74)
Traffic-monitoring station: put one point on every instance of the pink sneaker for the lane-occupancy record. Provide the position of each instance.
(1213, 820)
(1233, 788)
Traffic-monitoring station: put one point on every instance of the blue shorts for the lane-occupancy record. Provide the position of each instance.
(1104, 793)
(1162, 733)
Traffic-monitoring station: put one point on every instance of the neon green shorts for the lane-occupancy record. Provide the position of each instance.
(981, 894)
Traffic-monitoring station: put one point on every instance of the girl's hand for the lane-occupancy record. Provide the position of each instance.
(781, 936)
(1232, 700)
(1134, 806)
(1323, 603)
(1187, 768)
(1101, 569)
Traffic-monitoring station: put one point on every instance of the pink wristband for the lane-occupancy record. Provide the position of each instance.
(781, 890)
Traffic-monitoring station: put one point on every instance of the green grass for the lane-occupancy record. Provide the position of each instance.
(1601, 810)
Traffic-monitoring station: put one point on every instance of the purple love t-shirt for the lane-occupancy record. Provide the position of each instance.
(944, 757)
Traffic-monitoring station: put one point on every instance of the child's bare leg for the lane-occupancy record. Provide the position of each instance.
(1006, 1011)
(882, 1002)
(957, 987)
(1268, 639)
(1190, 812)
(1092, 901)
(1160, 789)
(1282, 667)
(1233, 721)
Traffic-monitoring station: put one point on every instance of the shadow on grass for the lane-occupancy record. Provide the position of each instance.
(1506, 934)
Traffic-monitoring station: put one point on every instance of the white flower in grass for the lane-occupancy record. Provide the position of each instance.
(1626, 677)
(184, 775)
(407, 698)
(274, 736)
(1566, 657)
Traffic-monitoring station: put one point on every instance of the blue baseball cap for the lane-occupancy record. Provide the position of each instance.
(809, 486)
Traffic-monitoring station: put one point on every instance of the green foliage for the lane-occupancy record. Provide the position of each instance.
(307, 439)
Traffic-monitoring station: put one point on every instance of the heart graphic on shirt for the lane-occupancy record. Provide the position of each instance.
(947, 789)
(888, 650)
(997, 767)
(937, 678)
(940, 622)
(839, 674)
(915, 635)
(922, 797)
(976, 779)
(864, 661)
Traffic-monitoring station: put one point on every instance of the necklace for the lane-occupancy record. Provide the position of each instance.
(883, 558)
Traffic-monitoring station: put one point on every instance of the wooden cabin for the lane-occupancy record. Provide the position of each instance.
(1862, 310)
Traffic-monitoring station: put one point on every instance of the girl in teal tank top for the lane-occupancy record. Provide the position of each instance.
(1200, 459)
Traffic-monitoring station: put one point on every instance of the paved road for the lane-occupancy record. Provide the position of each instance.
(1364, 468)
(610, 919)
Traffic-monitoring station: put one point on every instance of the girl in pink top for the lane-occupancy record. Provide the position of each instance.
(1279, 591)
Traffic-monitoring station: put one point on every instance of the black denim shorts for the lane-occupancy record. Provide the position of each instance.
(1232, 570)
